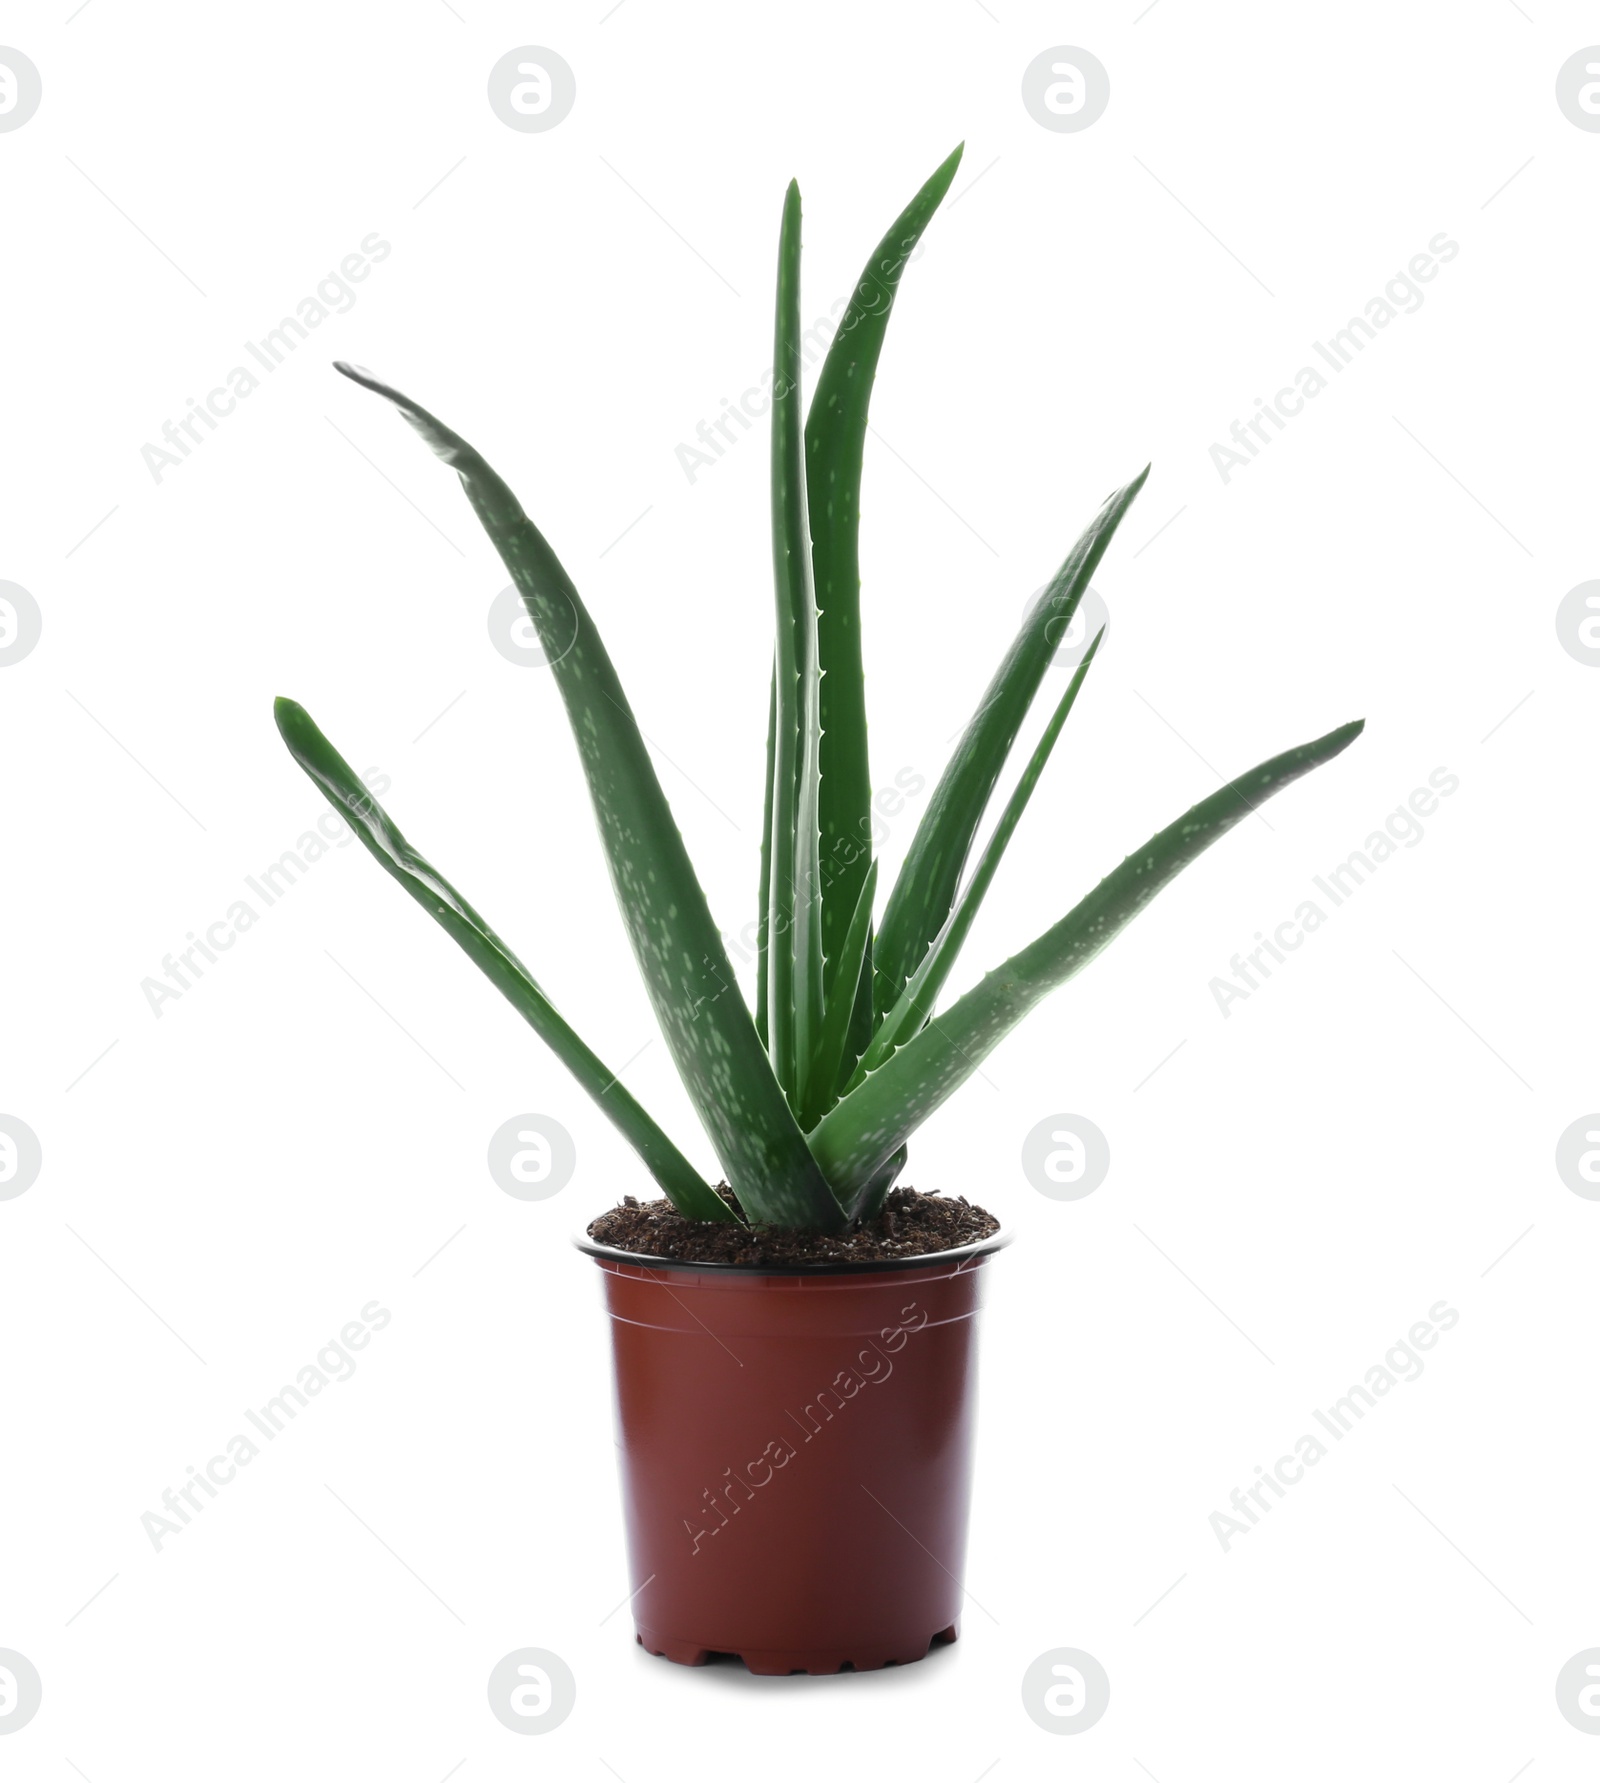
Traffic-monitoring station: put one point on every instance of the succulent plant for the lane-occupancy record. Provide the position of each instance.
(809, 1100)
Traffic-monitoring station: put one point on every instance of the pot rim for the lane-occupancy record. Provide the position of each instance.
(960, 1254)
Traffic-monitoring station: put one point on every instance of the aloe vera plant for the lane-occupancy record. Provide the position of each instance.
(809, 1099)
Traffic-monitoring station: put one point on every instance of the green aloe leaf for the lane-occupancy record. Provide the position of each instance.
(916, 1001)
(836, 431)
(872, 1122)
(766, 866)
(685, 1188)
(823, 1077)
(926, 887)
(794, 908)
(860, 1034)
(869, 1203)
(679, 949)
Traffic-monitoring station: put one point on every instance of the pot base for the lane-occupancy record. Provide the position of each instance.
(782, 1664)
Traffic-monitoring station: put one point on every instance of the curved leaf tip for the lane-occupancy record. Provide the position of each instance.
(289, 716)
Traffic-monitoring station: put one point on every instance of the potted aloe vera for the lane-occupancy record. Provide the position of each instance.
(794, 1349)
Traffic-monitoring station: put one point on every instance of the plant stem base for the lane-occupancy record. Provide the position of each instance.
(782, 1664)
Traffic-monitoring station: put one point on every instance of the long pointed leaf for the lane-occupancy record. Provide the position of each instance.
(916, 1001)
(926, 887)
(869, 1203)
(872, 1122)
(860, 1035)
(794, 1018)
(836, 431)
(679, 949)
(685, 1188)
(765, 895)
(823, 1076)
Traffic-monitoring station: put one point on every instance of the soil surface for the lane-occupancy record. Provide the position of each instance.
(909, 1225)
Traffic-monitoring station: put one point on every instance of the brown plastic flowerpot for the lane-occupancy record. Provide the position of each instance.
(796, 1453)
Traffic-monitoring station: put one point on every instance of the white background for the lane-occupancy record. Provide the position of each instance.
(304, 1129)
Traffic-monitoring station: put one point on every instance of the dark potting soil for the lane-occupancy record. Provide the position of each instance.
(909, 1225)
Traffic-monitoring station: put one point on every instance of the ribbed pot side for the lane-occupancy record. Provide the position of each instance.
(796, 1456)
